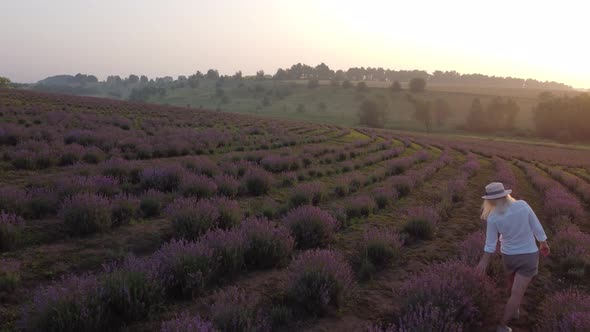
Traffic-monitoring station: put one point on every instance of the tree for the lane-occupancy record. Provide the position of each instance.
(476, 118)
(396, 87)
(362, 87)
(260, 75)
(346, 84)
(133, 79)
(238, 75)
(143, 79)
(423, 113)
(373, 111)
(442, 111)
(313, 83)
(334, 82)
(417, 84)
(212, 74)
(4, 82)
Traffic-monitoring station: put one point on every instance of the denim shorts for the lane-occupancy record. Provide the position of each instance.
(527, 265)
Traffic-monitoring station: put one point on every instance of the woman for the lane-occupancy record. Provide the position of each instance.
(518, 226)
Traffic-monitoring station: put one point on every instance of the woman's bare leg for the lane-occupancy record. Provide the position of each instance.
(519, 287)
(509, 282)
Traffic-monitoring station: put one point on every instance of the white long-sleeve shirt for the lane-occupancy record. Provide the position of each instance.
(518, 227)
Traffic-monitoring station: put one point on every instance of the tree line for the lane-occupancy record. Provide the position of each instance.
(564, 118)
(323, 72)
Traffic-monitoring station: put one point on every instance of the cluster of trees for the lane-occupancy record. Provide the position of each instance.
(453, 77)
(430, 113)
(498, 115)
(373, 111)
(4, 82)
(563, 118)
(323, 72)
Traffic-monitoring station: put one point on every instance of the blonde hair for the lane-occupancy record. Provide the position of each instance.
(498, 205)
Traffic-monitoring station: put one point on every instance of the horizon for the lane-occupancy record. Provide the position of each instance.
(47, 39)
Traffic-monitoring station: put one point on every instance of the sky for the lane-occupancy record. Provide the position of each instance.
(545, 40)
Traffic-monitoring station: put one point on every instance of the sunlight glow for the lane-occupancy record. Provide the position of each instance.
(539, 39)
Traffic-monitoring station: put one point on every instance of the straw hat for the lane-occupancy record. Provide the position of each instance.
(496, 190)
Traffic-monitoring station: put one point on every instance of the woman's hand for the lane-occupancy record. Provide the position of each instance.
(483, 264)
(481, 268)
(545, 249)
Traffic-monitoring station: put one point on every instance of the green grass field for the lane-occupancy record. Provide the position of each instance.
(341, 104)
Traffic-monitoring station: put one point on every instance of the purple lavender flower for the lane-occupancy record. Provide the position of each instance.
(454, 286)
(185, 268)
(381, 246)
(307, 194)
(187, 323)
(191, 218)
(13, 199)
(319, 280)
(11, 227)
(359, 206)
(86, 213)
(133, 288)
(74, 303)
(565, 311)
(311, 226)
(257, 181)
(199, 186)
(227, 185)
(268, 245)
(236, 310)
(229, 248)
(163, 179)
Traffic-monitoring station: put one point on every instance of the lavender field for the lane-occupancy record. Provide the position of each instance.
(134, 217)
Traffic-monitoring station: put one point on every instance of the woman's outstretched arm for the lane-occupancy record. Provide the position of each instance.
(489, 248)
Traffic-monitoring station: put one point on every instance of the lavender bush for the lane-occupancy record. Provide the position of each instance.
(381, 247)
(311, 226)
(124, 209)
(319, 280)
(424, 318)
(268, 245)
(201, 165)
(13, 199)
(359, 206)
(307, 194)
(257, 181)
(234, 311)
(187, 323)
(229, 250)
(403, 184)
(86, 213)
(185, 268)
(133, 288)
(227, 185)
(11, 228)
(470, 251)
(453, 287)
(71, 304)
(163, 179)
(421, 222)
(191, 218)
(572, 251)
(199, 186)
(9, 275)
(42, 202)
(151, 203)
(566, 311)
(384, 196)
